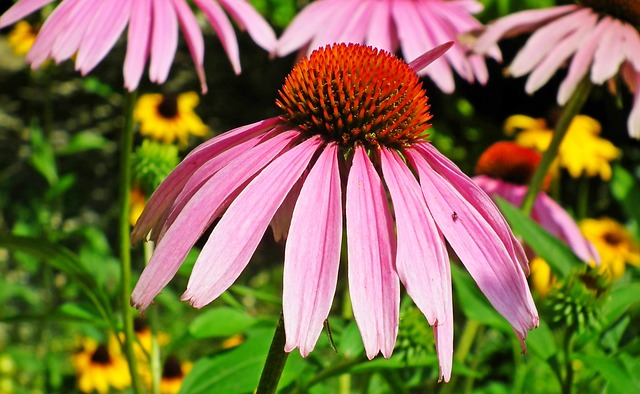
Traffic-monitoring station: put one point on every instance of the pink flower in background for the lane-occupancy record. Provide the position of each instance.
(91, 28)
(339, 140)
(599, 39)
(413, 25)
(505, 170)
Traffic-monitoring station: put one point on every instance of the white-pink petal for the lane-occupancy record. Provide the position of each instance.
(373, 281)
(312, 254)
(236, 236)
(164, 40)
(193, 37)
(138, 37)
(610, 52)
(248, 18)
(21, 9)
(223, 29)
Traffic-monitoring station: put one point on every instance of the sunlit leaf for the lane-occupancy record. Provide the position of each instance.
(220, 322)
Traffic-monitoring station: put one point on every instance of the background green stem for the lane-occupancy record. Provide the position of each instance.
(124, 243)
(276, 360)
(573, 107)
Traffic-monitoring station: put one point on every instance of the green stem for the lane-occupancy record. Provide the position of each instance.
(124, 243)
(567, 383)
(462, 351)
(276, 360)
(573, 107)
(154, 358)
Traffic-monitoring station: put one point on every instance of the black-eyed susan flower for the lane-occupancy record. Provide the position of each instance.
(22, 37)
(169, 117)
(353, 127)
(542, 279)
(100, 367)
(138, 201)
(582, 151)
(173, 373)
(614, 243)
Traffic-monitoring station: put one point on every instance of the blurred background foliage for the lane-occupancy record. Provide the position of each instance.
(58, 184)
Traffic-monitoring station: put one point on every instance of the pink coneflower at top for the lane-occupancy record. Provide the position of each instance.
(599, 37)
(354, 121)
(413, 25)
(91, 28)
(505, 169)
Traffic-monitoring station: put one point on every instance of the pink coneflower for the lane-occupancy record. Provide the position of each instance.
(413, 25)
(505, 170)
(599, 37)
(91, 28)
(355, 120)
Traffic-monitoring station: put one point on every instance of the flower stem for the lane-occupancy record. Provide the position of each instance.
(276, 360)
(573, 107)
(124, 243)
(154, 356)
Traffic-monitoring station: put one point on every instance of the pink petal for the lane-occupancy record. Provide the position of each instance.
(164, 41)
(428, 57)
(479, 69)
(306, 24)
(518, 23)
(223, 29)
(167, 192)
(632, 45)
(479, 247)
(559, 54)
(312, 254)
(380, 29)
(581, 62)
(21, 9)
(422, 261)
(545, 39)
(341, 26)
(137, 43)
(193, 37)
(609, 54)
(478, 198)
(633, 123)
(248, 18)
(373, 281)
(198, 215)
(70, 35)
(281, 221)
(236, 236)
(106, 26)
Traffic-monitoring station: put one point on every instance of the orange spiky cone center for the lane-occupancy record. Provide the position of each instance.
(356, 94)
(509, 162)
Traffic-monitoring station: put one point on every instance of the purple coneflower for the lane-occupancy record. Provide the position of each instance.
(599, 37)
(505, 169)
(413, 25)
(90, 28)
(354, 121)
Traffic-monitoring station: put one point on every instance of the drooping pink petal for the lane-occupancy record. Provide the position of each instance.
(340, 27)
(197, 216)
(138, 35)
(380, 31)
(106, 26)
(610, 52)
(223, 29)
(479, 247)
(518, 23)
(544, 40)
(281, 221)
(373, 281)
(559, 54)
(167, 192)
(581, 62)
(69, 35)
(193, 37)
(248, 18)
(312, 254)
(21, 9)
(164, 40)
(236, 236)
(478, 198)
(632, 45)
(422, 261)
(633, 123)
(479, 68)
(305, 24)
(428, 57)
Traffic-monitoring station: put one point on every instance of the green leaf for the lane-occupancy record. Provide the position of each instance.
(473, 303)
(220, 322)
(626, 190)
(350, 342)
(83, 141)
(619, 300)
(42, 157)
(238, 370)
(541, 342)
(558, 255)
(611, 369)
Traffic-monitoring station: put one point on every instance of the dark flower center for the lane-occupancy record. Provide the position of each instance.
(172, 368)
(626, 10)
(509, 162)
(168, 107)
(356, 94)
(613, 238)
(101, 355)
(139, 325)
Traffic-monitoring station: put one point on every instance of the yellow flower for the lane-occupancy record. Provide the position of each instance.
(173, 373)
(21, 38)
(169, 117)
(100, 367)
(614, 244)
(542, 279)
(138, 201)
(581, 151)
